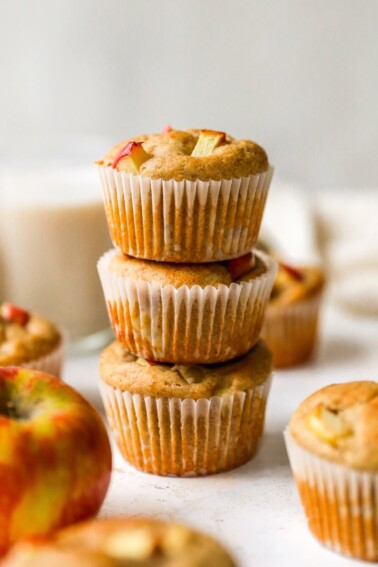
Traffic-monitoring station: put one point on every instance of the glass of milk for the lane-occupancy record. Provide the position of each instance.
(52, 232)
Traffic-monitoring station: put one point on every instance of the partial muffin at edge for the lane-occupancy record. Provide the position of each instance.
(123, 542)
(332, 444)
(340, 423)
(30, 340)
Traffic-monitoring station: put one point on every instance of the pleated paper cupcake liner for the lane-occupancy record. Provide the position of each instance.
(341, 504)
(291, 331)
(183, 221)
(186, 325)
(185, 437)
(51, 363)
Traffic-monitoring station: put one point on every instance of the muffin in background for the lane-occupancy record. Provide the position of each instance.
(292, 317)
(332, 442)
(122, 542)
(185, 420)
(185, 313)
(29, 340)
(185, 195)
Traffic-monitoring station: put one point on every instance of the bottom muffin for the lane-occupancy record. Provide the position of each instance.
(122, 542)
(185, 420)
(332, 444)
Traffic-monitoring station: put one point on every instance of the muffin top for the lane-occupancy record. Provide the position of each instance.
(239, 270)
(127, 372)
(24, 336)
(340, 423)
(295, 283)
(122, 542)
(187, 154)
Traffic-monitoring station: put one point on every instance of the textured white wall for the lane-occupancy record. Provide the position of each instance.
(299, 76)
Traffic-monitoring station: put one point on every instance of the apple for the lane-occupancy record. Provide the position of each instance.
(55, 456)
(13, 314)
(207, 142)
(238, 267)
(294, 273)
(133, 155)
(328, 425)
(146, 362)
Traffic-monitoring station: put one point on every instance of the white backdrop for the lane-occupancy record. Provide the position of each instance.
(299, 76)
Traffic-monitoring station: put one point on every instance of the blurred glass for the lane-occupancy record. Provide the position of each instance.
(52, 232)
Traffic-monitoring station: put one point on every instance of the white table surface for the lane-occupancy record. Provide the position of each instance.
(255, 509)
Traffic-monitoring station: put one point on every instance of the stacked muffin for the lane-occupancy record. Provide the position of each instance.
(186, 296)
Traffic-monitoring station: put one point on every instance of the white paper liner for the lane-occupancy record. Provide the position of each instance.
(183, 221)
(185, 437)
(341, 503)
(186, 325)
(51, 363)
(291, 330)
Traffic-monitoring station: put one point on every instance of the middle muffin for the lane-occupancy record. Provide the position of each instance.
(186, 313)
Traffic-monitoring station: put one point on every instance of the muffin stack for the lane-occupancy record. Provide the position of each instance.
(186, 296)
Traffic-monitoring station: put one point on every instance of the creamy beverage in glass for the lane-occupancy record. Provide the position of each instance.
(52, 232)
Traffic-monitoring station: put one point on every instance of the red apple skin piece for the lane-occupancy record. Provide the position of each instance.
(293, 272)
(55, 463)
(13, 314)
(135, 152)
(125, 151)
(168, 128)
(238, 267)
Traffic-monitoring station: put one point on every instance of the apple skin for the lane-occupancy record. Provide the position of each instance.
(238, 267)
(135, 155)
(293, 272)
(14, 314)
(55, 456)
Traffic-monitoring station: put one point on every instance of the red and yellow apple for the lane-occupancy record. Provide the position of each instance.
(55, 456)
(132, 156)
(207, 142)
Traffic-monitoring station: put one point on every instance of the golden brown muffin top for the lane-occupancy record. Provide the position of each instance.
(164, 273)
(295, 283)
(24, 336)
(127, 372)
(169, 157)
(122, 542)
(340, 423)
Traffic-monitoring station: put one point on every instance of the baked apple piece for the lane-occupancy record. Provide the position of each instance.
(207, 142)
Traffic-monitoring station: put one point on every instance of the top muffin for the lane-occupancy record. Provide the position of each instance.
(187, 154)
